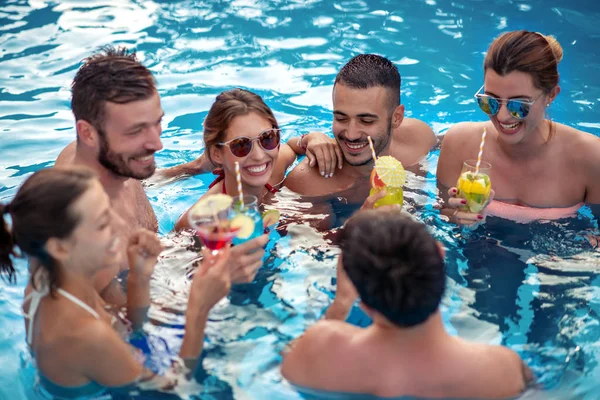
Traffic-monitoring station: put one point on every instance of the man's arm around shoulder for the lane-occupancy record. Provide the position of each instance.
(200, 165)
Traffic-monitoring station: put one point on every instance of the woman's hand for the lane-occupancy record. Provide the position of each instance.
(324, 152)
(142, 251)
(455, 209)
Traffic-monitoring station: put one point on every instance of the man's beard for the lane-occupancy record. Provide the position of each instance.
(116, 164)
(378, 145)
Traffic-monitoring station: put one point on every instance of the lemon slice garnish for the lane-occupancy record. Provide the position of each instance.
(244, 223)
(390, 171)
(211, 204)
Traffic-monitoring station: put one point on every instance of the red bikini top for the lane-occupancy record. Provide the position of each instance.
(220, 172)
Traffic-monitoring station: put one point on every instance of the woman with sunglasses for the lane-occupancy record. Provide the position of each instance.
(62, 218)
(241, 128)
(540, 169)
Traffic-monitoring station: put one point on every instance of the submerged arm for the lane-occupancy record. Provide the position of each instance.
(200, 165)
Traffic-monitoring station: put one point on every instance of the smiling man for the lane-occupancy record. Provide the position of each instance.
(118, 122)
(366, 102)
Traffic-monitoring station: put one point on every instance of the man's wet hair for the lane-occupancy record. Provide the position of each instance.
(395, 265)
(365, 71)
(111, 75)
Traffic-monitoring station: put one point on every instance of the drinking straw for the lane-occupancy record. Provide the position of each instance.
(480, 151)
(372, 148)
(239, 182)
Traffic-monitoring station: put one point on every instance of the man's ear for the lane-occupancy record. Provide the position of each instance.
(87, 134)
(441, 249)
(398, 116)
(368, 310)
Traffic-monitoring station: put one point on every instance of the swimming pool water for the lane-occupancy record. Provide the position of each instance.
(531, 287)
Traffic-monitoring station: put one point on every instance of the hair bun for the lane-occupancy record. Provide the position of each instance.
(555, 46)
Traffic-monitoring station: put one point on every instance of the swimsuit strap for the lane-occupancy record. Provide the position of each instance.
(80, 303)
(35, 296)
(220, 172)
(271, 188)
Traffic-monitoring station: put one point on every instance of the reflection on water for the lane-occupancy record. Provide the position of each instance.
(531, 287)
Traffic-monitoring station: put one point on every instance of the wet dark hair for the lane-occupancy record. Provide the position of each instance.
(365, 71)
(114, 75)
(395, 265)
(228, 105)
(42, 210)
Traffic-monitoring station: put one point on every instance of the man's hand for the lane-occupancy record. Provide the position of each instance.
(142, 251)
(324, 152)
(369, 203)
(345, 295)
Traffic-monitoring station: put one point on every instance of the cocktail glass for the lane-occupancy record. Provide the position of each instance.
(475, 187)
(388, 174)
(246, 216)
(211, 217)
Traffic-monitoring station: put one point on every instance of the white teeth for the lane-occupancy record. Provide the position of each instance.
(511, 126)
(356, 146)
(147, 158)
(257, 169)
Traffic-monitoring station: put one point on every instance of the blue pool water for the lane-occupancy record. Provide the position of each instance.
(531, 287)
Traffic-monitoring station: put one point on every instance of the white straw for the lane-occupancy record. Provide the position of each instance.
(480, 151)
(238, 176)
(372, 148)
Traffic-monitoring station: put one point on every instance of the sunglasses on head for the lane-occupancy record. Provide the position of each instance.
(518, 109)
(242, 146)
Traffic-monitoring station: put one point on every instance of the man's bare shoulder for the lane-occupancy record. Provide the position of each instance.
(509, 365)
(413, 130)
(67, 155)
(317, 354)
(490, 362)
(412, 141)
(307, 180)
(416, 127)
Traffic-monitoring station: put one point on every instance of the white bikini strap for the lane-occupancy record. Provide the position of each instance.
(35, 296)
(77, 301)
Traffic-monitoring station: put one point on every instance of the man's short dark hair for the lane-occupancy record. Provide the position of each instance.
(365, 71)
(112, 74)
(395, 265)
